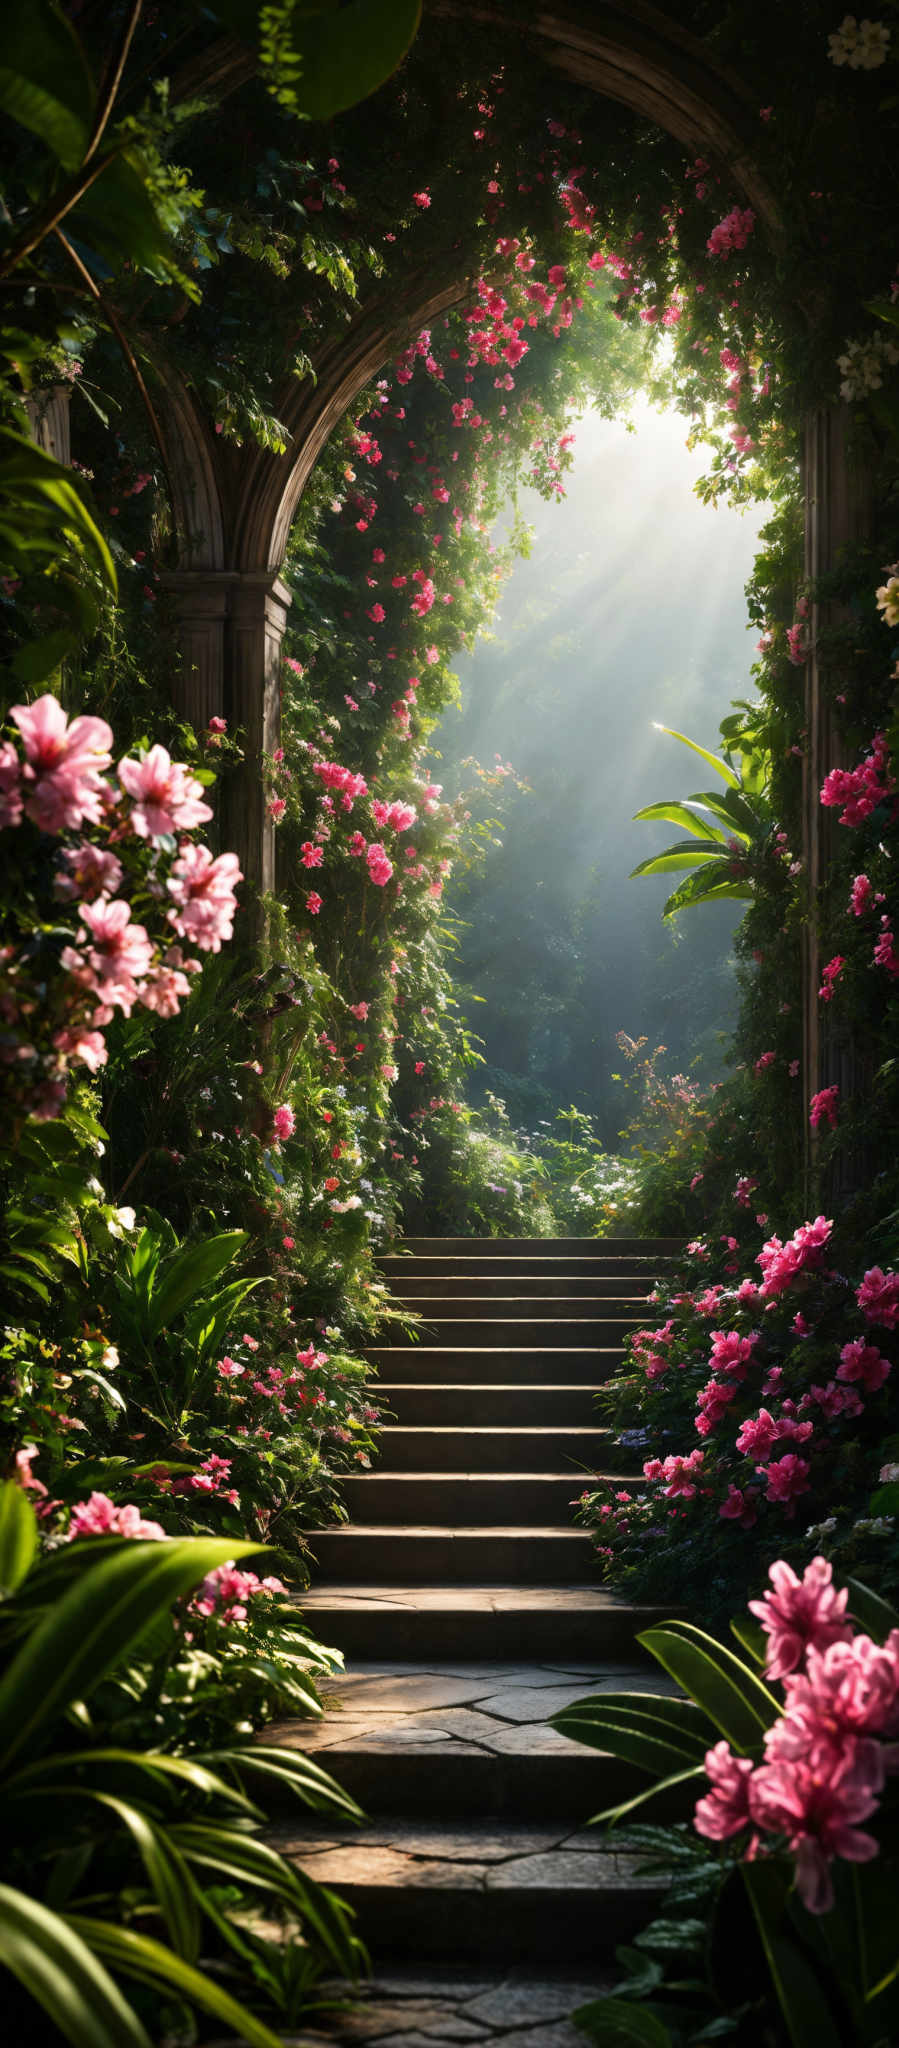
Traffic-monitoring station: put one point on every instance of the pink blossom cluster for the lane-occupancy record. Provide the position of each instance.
(861, 789)
(781, 1263)
(823, 1108)
(827, 1755)
(99, 1516)
(732, 232)
(878, 1298)
(678, 1473)
(225, 1592)
(54, 1010)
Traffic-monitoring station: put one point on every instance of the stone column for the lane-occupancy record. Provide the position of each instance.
(50, 421)
(232, 626)
(257, 617)
(839, 513)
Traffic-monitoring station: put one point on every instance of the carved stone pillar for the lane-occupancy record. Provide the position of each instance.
(839, 513)
(50, 422)
(232, 626)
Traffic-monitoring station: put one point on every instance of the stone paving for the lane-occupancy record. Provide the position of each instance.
(492, 1910)
(412, 2008)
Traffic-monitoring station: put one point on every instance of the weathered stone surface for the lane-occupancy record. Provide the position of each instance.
(516, 2001)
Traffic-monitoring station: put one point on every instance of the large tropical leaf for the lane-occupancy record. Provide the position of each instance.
(112, 1600)
(705, 886)
(150, 1962)
(685, 853)
(190, 1274)
(329, 58)
(18, 1536)
(728, 1691)
(685, 812)
(800, 1994)
(54, 1963)
(722, 768)
(44, 81)
(660, 1735)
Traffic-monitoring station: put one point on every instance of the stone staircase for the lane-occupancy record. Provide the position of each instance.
(468, 1609)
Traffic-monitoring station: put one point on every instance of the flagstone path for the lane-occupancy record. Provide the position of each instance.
(467, 1606)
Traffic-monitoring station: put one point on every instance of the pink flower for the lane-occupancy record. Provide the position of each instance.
(359, 1010)
(861, 1361)
(217, 725)
(861, 789)
(739, 1507)
(284, 1122)
(781, 1263)
(380, 868)
(86, 1047)
(829, 975)
(99, 1516)
(816, 1809)
(314, 903)
(166, 798)
(62, 764)
(312, 856)
(732, 232)
(421, 199)
(276, 809)
(848, 1690)
(24, 1475)
(878, 1297)
(765, 1060)
(823, 1108)
(757, 1435)
(228, 1369)
(120, 954)
(91, 872)
(724, 1810)
(203, 893)
(800, 1613)
(860, 898)
(10, 787)
(164, 989)
(786, 1478)
(732, 1353)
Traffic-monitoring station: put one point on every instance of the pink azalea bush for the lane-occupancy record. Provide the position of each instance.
(828, 1755)
(112, 845)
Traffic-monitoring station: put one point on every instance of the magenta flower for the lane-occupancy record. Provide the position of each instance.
(823, 1108)
(878, 1297)
(861, 1361)
(800, 1613)
(284, 1121)
(786, 1478)
(817, 1808)
(10, 785)
(724, 1810)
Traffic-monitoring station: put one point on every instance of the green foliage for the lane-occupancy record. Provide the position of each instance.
(90, 1823)
(721, 854)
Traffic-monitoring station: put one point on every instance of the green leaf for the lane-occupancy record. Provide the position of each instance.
(18, 1536)
(114, 1597)
(291, 1768)
(54, 1964)
(677, 812)
(752, 1638)
(150, 1962)
(616, 2023)
(613, 1814)
(734, 811)
(44, 81)
(348, 54)
(640, 1728)
(874, 1615)
(721, 768)
(705, 886)
(190, 1274)
(38, 490)
(802, 1999)
(683, 854)
(731, 1694)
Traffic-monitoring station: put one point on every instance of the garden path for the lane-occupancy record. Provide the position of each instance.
(467, 1607)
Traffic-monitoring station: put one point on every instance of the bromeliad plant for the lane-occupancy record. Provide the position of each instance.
(729, 832)
(791, 1746)
(134, 1875)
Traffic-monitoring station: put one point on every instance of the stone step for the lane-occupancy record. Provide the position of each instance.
(451, 1287)
(521, 1892)
(467, 1499)
(422, 1555)
(542, 1247)
(495, 1622)
(497, 1406)
(523, 1307)
(435, 1449)
(628, 1266)
(553, 1333)
(402, 1365)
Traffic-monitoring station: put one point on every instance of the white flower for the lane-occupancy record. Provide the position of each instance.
(888, 1472)
(861, 368)
(888, 601)
(863, 45)
(822, 1528)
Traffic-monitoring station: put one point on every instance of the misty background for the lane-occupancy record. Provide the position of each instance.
(630, 609)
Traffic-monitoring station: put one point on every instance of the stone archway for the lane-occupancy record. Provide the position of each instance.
(233, 510)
